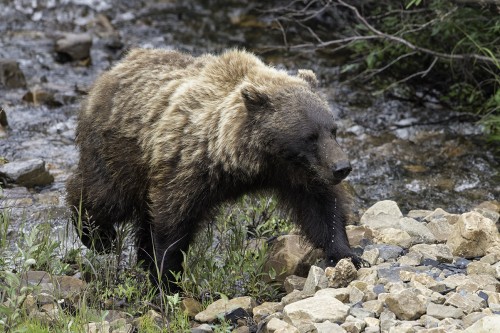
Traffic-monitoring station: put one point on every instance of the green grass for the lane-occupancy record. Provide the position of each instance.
(226, 260)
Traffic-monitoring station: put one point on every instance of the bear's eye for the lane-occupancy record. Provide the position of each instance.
(334, 132)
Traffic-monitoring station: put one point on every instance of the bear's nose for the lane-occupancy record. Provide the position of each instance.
(341, 169)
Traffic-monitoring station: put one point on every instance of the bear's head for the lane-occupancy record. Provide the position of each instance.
(298, 129)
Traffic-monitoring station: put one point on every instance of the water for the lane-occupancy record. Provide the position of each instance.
(421, 156)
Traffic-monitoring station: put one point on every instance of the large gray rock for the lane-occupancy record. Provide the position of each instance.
(27, 173)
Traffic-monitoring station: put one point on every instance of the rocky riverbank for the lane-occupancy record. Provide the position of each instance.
(431, 271)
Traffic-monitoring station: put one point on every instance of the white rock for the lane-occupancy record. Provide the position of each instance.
(315, 281)
(315, 310)
(383, 214)
(328, 327)
(488, 324)
(277, 325)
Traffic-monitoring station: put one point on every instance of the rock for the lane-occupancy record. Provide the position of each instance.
(383, 214)
(478, 267)
(418, 231)
(342, 294)
(411, 259)
(291, 255)
(294, 282)
(277, 325)
(316, 309)
(387, 320)
(438, 252)
(27, 173)
(74, 46)
(294, 296)
(406, 305)
(191, 307)
(418, 214)
(203, 328)
(371, 256)
(489, 214)
(223, 306)
(467, 302)
(357, 234)
(472, 318)
(473, 235)
(440, 214)
(342, 274)
(102, 327)
(393, 236)
(443, 311)
(316, 280)
(374, 306)
(11, 75)
(356, 295)
(265, 309)
(441, 229)
(386, 252)
(486, 324)
(353, 325)
(328, 327)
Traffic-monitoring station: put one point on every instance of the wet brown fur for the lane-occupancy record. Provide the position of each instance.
(165, 138)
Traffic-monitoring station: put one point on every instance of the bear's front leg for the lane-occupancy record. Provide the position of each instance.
(321, 216)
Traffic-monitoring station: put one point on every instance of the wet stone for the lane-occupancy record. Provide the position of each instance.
(27, 173)
(72, 46)
(11, 75)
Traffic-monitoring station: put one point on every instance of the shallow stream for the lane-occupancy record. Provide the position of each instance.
(422, 156)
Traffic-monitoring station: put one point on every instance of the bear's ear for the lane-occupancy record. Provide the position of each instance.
(254, 99)
(308, 76)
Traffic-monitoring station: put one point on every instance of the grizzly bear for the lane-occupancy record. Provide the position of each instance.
(165, 138)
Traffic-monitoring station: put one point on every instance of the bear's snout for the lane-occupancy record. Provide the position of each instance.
(341, 169)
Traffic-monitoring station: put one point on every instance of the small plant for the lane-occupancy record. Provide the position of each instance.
(229, 258)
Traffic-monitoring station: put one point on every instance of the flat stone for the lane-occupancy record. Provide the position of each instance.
(328, 327)
(478, 267)
(471, 318)
(315, 309)
(441, 229)
(468, 303)
(386, 252)
(486, 324)
(342, 294)
(443, 311)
